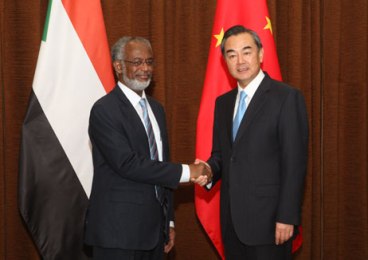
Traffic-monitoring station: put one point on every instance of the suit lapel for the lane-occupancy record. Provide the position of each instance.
(229, 112)
(156, 111)
(255, 106)
(161, 121)
(131, 116)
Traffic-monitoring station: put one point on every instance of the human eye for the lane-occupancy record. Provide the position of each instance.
(231, 56)
(150, 62)
(137, 62)
(247, 53)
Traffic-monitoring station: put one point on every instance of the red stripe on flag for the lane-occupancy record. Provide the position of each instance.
(251, 14)
(87, 19)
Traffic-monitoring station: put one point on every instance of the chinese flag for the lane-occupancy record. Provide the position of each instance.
(252, 14)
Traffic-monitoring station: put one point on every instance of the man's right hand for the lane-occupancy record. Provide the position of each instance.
(200, 173)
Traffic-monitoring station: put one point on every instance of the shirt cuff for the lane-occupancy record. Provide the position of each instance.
(172, 224)
(209, 185)
(185, 173)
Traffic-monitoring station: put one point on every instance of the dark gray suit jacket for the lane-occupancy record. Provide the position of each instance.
(263, 171)
(123, 210)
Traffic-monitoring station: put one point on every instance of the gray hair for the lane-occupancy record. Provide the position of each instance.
(117, 51)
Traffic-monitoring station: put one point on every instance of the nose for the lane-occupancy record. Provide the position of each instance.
(240, 59)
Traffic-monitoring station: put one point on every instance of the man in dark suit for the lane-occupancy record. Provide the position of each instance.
(131, 205)
(260, 143)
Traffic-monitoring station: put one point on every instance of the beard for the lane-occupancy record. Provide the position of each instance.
(136, 85)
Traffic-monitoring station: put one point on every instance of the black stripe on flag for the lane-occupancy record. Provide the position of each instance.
(51, 198)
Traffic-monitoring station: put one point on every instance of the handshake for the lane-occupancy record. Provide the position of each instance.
(200, 173)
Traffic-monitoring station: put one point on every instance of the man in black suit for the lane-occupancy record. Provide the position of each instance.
(260, 143)
(131, 205)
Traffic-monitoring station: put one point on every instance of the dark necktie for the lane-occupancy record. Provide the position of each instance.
(152, 145)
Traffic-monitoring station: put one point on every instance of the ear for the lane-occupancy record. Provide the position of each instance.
(118, 67)
(261, 52)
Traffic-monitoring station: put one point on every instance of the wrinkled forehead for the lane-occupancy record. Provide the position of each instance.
(137, 49)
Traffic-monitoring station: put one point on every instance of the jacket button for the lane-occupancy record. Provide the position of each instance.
(232, 159)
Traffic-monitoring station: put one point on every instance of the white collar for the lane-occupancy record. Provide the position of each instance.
(252, 87)
(132, 96)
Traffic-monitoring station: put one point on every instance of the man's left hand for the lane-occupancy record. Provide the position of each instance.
(171, 242)
(283, 233)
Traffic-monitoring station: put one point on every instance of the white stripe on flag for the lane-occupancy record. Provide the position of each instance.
(66, 86)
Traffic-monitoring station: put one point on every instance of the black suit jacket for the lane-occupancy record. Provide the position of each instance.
(263, 170)
(123, 210)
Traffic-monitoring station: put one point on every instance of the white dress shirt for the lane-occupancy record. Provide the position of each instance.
(250, 89)
(134, 99)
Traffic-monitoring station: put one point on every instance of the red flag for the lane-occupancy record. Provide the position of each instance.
(253, 15)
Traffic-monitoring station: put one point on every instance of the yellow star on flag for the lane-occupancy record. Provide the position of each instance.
(219, 37)
(268, 25)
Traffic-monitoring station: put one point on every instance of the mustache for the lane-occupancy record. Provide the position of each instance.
(147, 74)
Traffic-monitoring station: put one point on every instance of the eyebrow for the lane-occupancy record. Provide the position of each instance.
(139, 58)
(243, 49)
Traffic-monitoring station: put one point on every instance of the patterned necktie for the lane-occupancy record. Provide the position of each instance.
(240, 113)
(149, 129)
(152, 145)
